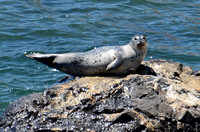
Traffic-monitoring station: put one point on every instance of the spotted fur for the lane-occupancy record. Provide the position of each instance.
(114, 60)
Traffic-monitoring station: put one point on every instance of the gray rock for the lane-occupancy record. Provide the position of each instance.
(161, 96)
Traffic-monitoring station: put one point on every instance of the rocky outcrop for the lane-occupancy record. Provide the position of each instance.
(161, 96)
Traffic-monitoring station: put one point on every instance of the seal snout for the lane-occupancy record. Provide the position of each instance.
(141, 42)
(141, 45)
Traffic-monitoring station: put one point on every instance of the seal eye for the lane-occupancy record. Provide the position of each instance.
(144, 38)
(135, 38)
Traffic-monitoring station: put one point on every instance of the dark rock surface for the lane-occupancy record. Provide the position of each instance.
(162, 96)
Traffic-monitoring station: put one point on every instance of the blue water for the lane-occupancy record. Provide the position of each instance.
(171, 27)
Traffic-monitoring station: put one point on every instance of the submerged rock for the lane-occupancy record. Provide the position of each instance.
(162, 96)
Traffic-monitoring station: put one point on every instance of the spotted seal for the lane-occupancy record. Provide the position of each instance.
(113, 60)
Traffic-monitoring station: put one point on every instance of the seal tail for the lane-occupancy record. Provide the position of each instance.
(47, 59)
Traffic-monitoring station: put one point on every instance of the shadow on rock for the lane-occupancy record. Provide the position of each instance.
(145, 70)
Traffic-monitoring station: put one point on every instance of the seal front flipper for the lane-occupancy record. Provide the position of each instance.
(115, 63)
(47, 59)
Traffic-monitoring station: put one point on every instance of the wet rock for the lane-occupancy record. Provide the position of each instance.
(161, 96)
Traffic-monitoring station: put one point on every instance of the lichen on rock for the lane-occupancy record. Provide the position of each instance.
(161, 96)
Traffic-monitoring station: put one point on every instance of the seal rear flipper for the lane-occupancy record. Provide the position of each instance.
(47, 59)
(115, 63)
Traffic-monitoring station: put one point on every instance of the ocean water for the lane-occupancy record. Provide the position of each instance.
(26, 26)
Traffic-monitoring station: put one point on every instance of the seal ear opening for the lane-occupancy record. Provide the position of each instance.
(45, 59)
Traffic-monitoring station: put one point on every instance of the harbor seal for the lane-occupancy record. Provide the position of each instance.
(113, 60)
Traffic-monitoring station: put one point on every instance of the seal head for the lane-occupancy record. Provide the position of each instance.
(138, 41)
